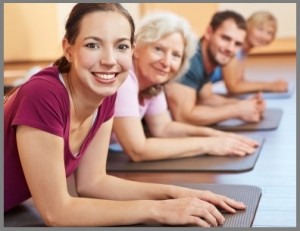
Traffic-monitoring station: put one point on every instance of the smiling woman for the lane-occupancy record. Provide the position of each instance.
(164, 46)
(59, 123)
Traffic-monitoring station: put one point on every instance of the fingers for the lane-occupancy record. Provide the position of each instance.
(209, 213)
(198, 221)
(245, 139)
(193, 210)
(226, 203)
(231, 205)
(240, 148)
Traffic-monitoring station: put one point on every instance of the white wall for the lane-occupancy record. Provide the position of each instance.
(284, 12)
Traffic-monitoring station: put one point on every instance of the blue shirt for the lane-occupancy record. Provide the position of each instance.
(196, 77)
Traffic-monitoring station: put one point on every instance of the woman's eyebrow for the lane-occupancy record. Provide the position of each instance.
(99, 39)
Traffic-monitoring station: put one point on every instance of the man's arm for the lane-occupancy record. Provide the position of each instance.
(186, 106)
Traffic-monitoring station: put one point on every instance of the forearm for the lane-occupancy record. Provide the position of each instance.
(179, 129)
(96, 212)
(206, 115)
(217, 100)
(248, 87)
(114, 188)
(168, 148)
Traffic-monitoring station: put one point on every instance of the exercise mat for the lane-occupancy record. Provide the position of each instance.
(26, 215)
(119, 161)
(270, 121)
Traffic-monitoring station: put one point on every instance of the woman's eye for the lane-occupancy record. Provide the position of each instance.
(92, 45)
(157, 48)
(178, 56)
(123, 47)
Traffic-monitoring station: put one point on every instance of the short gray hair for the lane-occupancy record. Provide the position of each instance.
(157, 25)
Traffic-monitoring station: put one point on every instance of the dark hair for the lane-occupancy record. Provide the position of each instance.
(72, 27)
(219, 17)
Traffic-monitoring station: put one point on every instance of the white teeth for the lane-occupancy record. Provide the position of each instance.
(105, 76)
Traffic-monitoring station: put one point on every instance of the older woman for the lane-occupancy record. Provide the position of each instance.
(164, 45)
(261, 30)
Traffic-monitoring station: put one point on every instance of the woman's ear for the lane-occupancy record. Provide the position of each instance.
(67, 50)
(136, 52)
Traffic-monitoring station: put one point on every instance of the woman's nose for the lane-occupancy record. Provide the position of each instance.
(166, 60)
(108, 57)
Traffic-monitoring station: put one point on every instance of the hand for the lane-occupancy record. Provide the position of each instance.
(245, 139)
(279, 86)
(250, 110)
(226, 145)
(188, 210)
(261, 103)
(198, 207)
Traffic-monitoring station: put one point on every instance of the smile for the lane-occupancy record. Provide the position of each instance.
(105, 76)
(161, 71)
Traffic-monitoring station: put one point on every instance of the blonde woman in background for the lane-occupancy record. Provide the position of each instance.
(164, 46)
(261, 31)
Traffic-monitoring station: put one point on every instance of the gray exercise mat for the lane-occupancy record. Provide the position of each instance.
(248, 194)
(270, 121)
(272, 95)
(220, 88)
(26, 214)
(120, 162)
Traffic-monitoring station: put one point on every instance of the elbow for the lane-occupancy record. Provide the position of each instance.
(179, 116)
(233, 91)
(136, 157)
(53, 219)
(56, 215)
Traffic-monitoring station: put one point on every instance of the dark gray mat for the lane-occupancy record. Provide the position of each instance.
(270, 121)
(26, 214)
(249, 195)
(119, 161)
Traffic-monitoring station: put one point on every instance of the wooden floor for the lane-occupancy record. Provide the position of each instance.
(275, 170)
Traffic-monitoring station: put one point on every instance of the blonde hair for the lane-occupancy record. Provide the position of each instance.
(158, 25)
(261, 17)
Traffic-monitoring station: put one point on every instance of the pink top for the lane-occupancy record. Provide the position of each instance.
(127, 102)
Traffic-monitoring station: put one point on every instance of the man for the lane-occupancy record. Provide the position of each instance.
(197, 104)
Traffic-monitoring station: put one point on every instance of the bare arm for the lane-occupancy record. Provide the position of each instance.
(233, 75)
(130, 133)
(207, 97)
(92, 181)
(201, 110)
(162, 125)
(43, 164)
